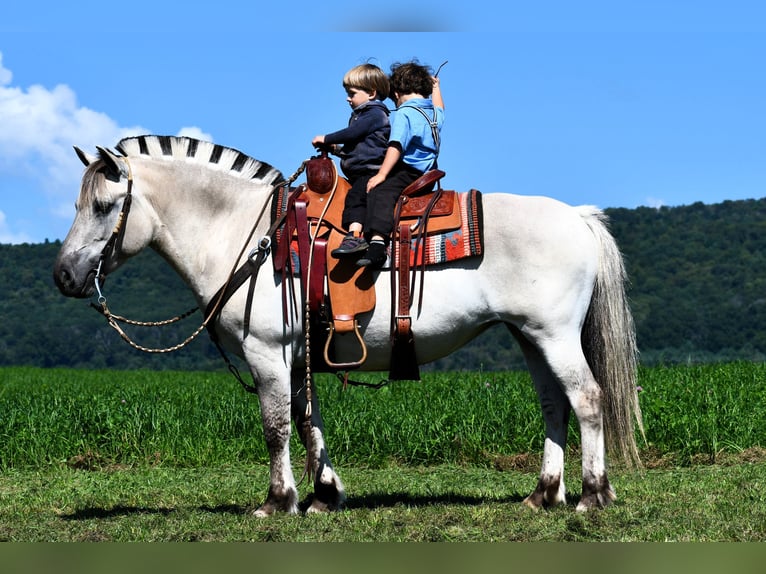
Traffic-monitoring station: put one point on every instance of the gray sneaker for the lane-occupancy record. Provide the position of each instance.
(350, 246)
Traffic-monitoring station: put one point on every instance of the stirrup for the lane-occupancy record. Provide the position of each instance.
(353, 364)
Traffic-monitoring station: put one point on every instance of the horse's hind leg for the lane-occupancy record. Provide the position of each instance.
(569, 367)
(550, 490)
(329, 493)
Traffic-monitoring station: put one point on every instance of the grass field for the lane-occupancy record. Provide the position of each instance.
(126, 456)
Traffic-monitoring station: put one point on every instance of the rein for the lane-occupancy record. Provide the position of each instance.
(114, 243)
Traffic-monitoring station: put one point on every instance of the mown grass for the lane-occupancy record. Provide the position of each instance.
(109, 455)
(442, 503)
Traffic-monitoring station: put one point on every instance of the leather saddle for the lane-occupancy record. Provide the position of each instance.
(336, 290)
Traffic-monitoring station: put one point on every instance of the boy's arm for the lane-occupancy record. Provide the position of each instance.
(365, 124)
(436, 94)
(393, 154)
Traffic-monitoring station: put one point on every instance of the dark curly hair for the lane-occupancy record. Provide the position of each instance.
(411, 78)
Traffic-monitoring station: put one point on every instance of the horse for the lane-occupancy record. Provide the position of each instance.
(551, 272)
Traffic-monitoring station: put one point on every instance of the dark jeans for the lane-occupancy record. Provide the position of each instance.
(381, 201)
(355, 208)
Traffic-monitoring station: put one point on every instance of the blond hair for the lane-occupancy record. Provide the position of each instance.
(367, 77)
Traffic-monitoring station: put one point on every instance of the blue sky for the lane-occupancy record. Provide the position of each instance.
(617, 104)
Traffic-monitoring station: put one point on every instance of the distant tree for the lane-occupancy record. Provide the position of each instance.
(698, 292)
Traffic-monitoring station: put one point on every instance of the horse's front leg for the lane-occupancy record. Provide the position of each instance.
(275, 415)
(329, 493)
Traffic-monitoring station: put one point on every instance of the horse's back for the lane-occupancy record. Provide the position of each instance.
(520, 219)
(538, 245)
(538, 266)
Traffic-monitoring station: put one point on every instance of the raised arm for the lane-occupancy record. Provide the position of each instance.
(436, 94)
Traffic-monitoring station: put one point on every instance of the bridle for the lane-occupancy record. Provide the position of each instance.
(114, 243)
(111, 248)
(235, 279)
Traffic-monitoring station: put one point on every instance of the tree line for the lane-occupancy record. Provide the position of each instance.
(698, 294)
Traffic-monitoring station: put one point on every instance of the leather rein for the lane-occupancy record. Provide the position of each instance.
(234, 281)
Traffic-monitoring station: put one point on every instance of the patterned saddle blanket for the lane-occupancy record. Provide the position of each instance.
(444, 226)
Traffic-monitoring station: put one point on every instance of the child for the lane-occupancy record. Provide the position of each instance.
(413, 148)
(364, 145)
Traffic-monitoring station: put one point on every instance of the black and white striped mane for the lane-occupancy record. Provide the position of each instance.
(202, 152)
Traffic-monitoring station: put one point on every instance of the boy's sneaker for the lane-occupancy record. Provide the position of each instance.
(349, 246)
(375, 257)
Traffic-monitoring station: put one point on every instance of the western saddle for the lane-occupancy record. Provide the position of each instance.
(336, 290)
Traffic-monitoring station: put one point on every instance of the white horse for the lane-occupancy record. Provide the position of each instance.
(551, 272)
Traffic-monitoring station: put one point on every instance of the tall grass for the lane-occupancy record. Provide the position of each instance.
(200, 418)
(51, 416)
(704, 409)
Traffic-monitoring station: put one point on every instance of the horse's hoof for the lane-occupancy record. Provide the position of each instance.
(329, 494)
(597, 499)
(318, 507)
(534, 501)
(337, 503)
(288, 503)
(529, 504)
(267, 510)
(549, 492)
(263, 512)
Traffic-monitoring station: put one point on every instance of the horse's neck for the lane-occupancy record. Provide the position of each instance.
(204, 220)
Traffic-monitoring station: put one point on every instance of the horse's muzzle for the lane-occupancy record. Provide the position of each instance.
(70, 284)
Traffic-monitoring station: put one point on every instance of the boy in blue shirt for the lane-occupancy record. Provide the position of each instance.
(413, 148)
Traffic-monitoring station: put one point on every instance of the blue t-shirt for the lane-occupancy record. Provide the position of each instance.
(413, 132)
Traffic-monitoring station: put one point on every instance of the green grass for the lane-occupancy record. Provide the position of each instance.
(201, 418)
(443, 503)
(704, 410)
(111, 455)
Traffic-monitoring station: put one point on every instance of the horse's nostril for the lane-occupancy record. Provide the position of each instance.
(61, 276)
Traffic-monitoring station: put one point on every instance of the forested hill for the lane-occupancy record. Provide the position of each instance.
(698, 292)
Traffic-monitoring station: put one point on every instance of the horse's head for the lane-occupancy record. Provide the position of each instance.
(97, 243)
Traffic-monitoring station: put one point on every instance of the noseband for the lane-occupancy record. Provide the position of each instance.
(114, 242)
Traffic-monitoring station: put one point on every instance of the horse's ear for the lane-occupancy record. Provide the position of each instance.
(85, 158)
(113, 163)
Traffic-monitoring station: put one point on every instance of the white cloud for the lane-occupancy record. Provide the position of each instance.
(654, 202)
(5, 75)
(195, 132)
(41, 125)
(38, 128)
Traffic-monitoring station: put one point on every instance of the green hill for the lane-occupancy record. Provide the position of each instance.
(698, 292)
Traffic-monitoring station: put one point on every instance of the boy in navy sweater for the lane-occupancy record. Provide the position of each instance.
(361, 147)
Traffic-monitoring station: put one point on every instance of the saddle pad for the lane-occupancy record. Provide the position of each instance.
(466, 241)
(440, 246)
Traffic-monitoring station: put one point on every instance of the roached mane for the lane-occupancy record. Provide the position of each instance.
(223, 157)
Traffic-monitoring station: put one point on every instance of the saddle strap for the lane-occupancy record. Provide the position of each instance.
(302, 227)
(295, 222)
(318, 271)
(404, 362)
(403, 321)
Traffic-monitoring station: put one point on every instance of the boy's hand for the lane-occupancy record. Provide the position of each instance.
(374, 181)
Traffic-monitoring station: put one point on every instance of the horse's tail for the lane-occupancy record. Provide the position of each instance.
(609, 343)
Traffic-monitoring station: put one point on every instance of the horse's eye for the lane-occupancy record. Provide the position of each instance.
(103, 207)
